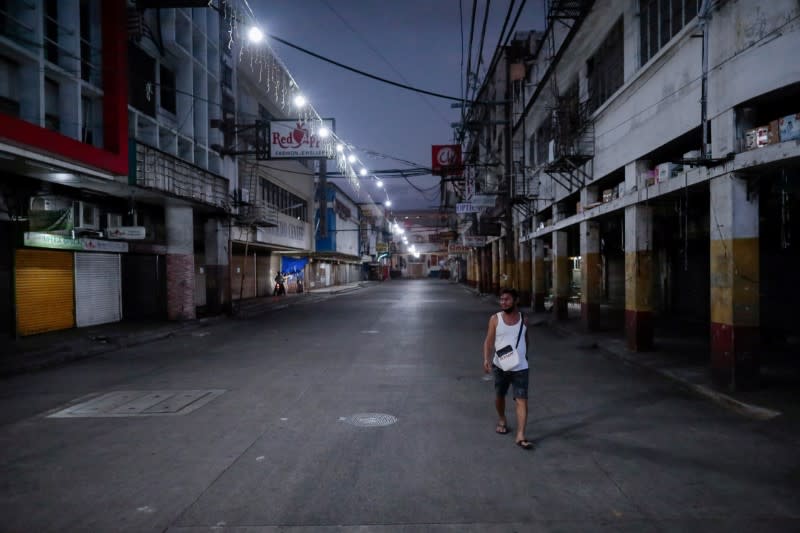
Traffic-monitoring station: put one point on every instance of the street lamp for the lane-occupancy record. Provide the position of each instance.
(255, 35)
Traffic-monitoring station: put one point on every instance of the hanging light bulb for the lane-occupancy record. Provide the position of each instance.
(299, 100)
(363, 171)
(323, 132)
(339, 148)
(351, 158)
(379, 184)
(388, 203)
(255, 35)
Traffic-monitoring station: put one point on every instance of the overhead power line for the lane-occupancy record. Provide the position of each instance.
(366, 74)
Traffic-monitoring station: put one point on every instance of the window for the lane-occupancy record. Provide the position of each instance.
(51, 114)
(9, 87)
(660, 21)
(86, 120)
(167, 89)
(50, 22)
(86, 40)
(142, 80)
(227, 76)
(605, 69)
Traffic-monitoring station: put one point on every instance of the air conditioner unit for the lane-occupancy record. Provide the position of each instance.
(49, 203)
(87, 216)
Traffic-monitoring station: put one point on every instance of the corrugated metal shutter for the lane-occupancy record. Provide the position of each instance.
(97, 289)
(44, 291)
(199, 280)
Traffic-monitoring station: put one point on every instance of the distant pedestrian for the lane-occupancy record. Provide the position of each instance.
(509, 329)
(280, 285)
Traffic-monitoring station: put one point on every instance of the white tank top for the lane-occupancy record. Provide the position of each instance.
(505, 335)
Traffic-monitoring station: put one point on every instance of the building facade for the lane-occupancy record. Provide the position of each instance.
(654, 164)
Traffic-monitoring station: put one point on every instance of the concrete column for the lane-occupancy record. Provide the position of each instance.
(639, 277)
(591, 274)
(734, 283)
(561, 268)
(524, 273)
(217, 268)
(537, 275)
(495, 267)
(635, 175)
(486, 269)
(180, 263)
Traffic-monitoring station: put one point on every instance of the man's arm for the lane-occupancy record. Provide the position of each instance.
(488, 344)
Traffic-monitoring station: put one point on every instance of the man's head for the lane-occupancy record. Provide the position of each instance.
(508, 300)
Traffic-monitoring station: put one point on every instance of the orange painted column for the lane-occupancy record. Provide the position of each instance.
(524, 273)
(734, 283)
(639, 277)
(537, 274)
(561, 268)
(591, 274)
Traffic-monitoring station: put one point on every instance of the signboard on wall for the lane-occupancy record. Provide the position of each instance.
(466, 207)
(300, 139)
(446, 159)
(60, 242)
(475, 240)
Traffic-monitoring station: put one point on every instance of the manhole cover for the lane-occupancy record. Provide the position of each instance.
(367, 420)
(139, 403)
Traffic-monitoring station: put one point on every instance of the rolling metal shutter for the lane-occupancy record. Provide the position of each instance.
(44, 291)
(247, 266)
(97, 289)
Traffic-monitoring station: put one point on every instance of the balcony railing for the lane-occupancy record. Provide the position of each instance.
(163, 172)
(258, 214)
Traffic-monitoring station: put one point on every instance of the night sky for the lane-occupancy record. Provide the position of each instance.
(414, 42)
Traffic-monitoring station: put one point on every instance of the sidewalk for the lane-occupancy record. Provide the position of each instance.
(683, 359)
(36, 352)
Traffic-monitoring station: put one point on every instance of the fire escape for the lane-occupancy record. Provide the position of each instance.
(572, 146)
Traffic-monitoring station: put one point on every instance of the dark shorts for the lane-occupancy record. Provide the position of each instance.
(517, 380)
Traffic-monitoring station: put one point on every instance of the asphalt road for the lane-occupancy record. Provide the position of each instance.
(277, 445)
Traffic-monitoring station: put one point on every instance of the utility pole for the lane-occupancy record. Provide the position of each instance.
(323, 197)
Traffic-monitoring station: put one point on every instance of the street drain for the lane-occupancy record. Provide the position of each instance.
(139, 403)
(367, 420)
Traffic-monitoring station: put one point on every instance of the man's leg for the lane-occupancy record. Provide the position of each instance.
(522, 417)
(500, 406)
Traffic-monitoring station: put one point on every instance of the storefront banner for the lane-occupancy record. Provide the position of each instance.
(474, 240)
(59, 242)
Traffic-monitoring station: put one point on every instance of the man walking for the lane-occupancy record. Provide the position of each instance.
(508, 328)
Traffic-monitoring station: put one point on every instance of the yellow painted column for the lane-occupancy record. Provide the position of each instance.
(561, 268)
(591, 274)
(537, 274)
(734, 281)
(639, 277)
(524, 273)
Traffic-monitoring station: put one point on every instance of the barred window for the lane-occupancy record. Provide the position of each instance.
(660, 21)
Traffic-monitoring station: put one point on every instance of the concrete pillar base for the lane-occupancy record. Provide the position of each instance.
(734, 358)
(180, 287)
(639, 330)
(560, 308)
(590, 316)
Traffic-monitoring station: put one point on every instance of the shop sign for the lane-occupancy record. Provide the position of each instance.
(381, 247)
(483, 200)
(446, 159)
(454, 248)
(474, 240)
(466, 207)
(295, 139)
(126, 232)
(60, 242)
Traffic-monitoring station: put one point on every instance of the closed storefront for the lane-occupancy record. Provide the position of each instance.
(143, 287)
(199, 280)
(98, 293)
(44, 291)
(244, 276)
(265, 282)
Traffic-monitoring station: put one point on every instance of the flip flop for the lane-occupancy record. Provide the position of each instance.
(501, 429)
(524, 444)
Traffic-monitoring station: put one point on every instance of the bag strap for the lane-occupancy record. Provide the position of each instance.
(521, 323)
